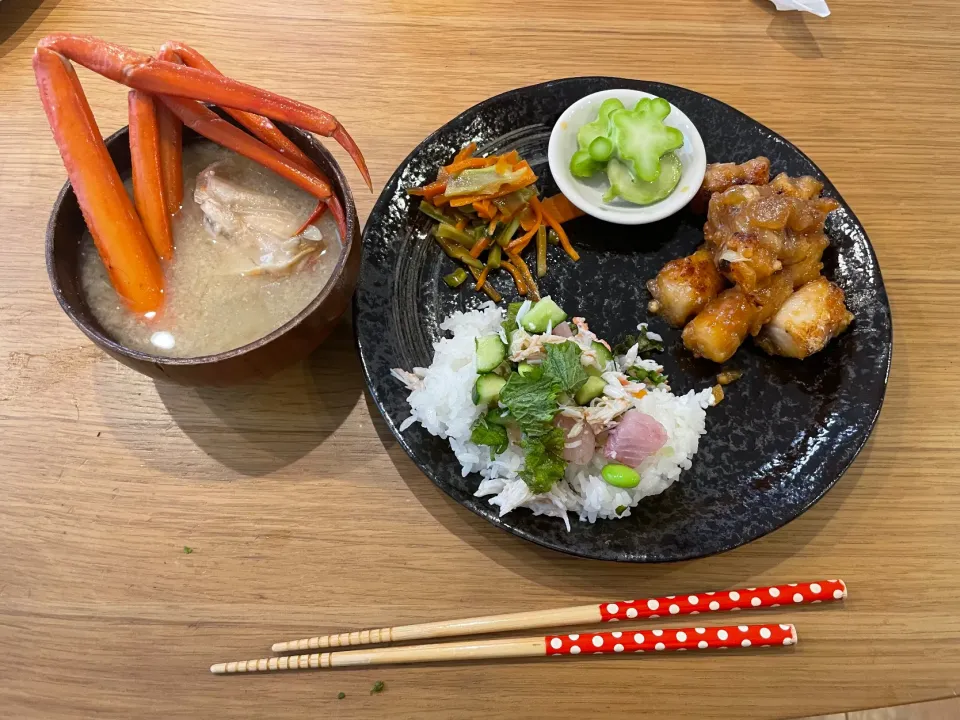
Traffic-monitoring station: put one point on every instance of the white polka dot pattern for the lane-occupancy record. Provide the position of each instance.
(742, 599)
(716, 638)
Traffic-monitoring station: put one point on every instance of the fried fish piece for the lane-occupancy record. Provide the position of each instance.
(807, 321)
(683, 286)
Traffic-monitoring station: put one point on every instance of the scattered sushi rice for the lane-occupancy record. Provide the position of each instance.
(441, 401)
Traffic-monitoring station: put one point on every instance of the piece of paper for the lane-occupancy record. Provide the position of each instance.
(817, 7)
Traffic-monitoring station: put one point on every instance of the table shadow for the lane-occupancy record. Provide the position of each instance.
(258, 428)
(790, 30)
(599, 578)
(18, 20)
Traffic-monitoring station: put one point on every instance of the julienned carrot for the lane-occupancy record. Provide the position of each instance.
(564, 240)
(517, 278)
(482, 279)
(487, 287)
(560, 208)
(528, 280)
(465, 152)
(528, 218)
(481, 245)
(461, 224)
(492, 226)
(518, 245)
(469, 163)
(429, 191)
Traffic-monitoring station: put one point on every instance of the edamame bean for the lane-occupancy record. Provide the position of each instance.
(620, 476)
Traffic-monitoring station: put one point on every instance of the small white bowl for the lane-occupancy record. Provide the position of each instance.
(587, 193)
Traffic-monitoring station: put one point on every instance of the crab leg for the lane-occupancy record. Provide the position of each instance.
(148, 190)
(117, 231)
(260, 126)
(142, 72)
(256, 124)
(204, 121)
(171, 149)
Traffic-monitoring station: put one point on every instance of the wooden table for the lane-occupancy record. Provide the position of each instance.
(303, 513)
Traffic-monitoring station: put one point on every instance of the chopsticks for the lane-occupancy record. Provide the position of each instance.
(648, 608)
(599, 643)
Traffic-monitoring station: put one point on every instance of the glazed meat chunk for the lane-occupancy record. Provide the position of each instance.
(721, 176)
(807, 321)
(719, 329)
(683, 286)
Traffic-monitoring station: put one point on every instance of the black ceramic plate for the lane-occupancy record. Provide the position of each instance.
(787, 430)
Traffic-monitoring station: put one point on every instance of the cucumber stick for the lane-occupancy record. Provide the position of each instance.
(487, 390)
(490, 353)
(544, 313)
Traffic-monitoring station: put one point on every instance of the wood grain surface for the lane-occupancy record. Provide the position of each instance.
(303, 514)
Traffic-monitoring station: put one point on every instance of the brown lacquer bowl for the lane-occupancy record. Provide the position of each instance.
(288, 344)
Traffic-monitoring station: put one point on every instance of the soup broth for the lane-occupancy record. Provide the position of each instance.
(236, 274)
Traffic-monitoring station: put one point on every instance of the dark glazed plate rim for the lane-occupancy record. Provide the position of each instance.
(479, 506)
(339, 184)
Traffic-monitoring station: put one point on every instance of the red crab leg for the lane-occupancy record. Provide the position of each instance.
(148, 190)
(260, 126)
(204, 121)
(142, 72)
(171, 149)
(117, 231)
(256, 124)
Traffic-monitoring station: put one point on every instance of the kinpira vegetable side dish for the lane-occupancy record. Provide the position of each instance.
(488, 211)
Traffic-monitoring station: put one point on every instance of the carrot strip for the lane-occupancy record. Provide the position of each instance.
(469, 163)
(564, 240)
(461, 224)
(429, 191)
(481, 245)
(487, 287)
(518, 245)
(528, 280)
(528, 217)
(465, 152)
(517, 277)
(482, 279)
(512, 157)
(560, 208)
(492, 226)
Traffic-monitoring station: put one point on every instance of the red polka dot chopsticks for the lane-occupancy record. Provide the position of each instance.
(619, 641)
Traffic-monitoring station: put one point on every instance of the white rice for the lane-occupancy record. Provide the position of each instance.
(441, 401)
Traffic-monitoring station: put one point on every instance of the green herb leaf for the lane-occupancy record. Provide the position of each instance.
(378, 687)
(486, 433)
(646, 346)
(651, 377)
(531, 401)
(563, 363)
(544, 464)
(510, 322)
(341, 695)
(187, 550)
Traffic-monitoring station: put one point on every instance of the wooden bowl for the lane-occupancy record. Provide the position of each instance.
(286, 345)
